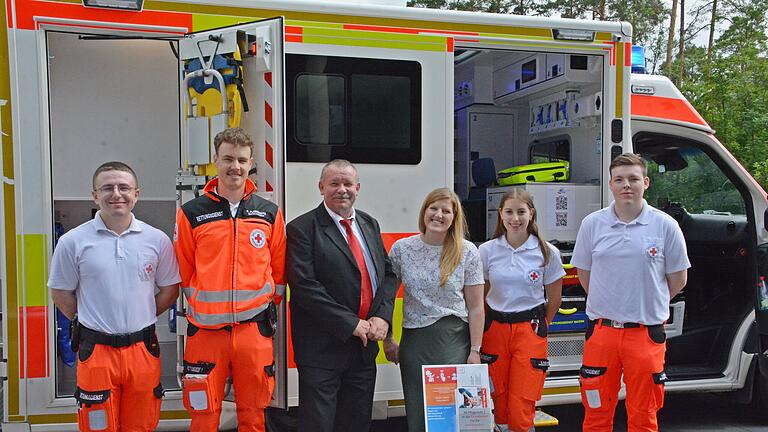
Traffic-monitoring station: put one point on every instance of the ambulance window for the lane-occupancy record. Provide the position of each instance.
(320, 109)
(551, 151)
(685, 175)
(361, 109)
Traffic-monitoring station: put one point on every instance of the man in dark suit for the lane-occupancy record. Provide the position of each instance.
(342, 297)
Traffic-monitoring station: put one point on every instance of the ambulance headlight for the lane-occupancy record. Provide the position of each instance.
(573, 35)
(134, 5)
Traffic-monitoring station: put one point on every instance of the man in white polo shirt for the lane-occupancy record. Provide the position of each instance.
(631, 260)
(105, 272)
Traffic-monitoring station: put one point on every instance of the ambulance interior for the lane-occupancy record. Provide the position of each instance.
(87, 129)
(532, 120)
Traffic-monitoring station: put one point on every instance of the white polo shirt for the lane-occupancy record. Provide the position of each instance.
(628, 264)
(518, 276)
(114, 276)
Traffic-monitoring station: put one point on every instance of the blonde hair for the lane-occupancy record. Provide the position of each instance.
(533, 229)
(453, 246)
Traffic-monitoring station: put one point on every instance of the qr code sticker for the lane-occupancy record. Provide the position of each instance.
(561, 202)
(561, 219)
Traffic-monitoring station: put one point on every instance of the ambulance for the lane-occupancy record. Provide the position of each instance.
(417, 99)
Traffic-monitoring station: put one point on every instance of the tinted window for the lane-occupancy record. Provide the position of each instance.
(320, 109)
(682, 173)
(551, 151)
(353, 108)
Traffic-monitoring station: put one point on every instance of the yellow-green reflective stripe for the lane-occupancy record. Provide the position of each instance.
(342, 18)
(35, 268)
(373, 43)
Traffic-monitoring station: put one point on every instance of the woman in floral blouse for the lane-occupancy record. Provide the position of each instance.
(442, 276)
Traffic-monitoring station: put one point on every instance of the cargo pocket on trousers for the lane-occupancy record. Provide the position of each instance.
(592, 394)
(533, 382)
(497, 377)
(658, 390)
(94, 411)
(267, 386)
(197, 389)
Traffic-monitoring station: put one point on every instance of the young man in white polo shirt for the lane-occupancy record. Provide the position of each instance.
(631, 260)
(105, 272)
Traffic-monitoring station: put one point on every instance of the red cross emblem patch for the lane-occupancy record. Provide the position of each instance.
(653, 251)
(533, 276)
(258, 238)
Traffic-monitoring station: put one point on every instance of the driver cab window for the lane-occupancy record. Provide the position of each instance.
(684, 175)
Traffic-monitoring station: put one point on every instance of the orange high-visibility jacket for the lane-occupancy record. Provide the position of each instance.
(230, 267)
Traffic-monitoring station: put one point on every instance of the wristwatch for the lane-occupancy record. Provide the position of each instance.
(475, 348)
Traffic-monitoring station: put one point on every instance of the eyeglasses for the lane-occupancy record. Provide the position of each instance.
(121, 188)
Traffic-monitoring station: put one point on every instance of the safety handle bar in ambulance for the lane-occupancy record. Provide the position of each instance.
(202, 73)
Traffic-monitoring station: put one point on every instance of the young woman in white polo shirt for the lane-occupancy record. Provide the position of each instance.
(523, 282)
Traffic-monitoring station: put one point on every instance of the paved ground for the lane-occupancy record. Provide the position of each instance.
(682, 413)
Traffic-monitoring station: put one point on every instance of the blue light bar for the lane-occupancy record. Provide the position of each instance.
(638, 59)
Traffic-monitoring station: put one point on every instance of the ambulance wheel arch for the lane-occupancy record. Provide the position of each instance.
(697, 182)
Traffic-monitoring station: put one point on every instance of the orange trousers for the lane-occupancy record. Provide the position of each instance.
(638, 353)
(118, 388)
(210, 356)
(519, 371)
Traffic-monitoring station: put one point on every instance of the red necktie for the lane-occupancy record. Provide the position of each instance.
(366, 289)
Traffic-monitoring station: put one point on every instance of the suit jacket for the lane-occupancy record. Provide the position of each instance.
(324, 281)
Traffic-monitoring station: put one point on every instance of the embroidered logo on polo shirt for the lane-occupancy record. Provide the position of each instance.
(147, 271)
(652, 250)
(533, 276)
(258, 238)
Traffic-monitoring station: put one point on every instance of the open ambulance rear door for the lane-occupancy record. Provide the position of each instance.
(244, 64)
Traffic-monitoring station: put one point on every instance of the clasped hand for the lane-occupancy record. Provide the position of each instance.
(374, 329)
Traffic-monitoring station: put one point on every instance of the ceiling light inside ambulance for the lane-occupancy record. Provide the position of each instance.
(134, 5)
(573, 35)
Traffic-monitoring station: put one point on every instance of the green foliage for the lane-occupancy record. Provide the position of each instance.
(731, 93)
(646, 17)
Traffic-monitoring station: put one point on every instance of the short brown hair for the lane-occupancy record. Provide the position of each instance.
(628, 159)
(114, 166)
(235, 136)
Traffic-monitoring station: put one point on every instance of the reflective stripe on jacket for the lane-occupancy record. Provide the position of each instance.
(230, 267)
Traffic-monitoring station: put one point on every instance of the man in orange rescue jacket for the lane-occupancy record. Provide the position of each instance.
(230, 245)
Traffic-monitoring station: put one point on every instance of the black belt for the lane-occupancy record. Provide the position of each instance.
(516, 317)
(116, 340)
(616, 324)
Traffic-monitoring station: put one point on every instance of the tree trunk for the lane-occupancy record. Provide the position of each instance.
(671, 36)
(681, 51)
(602, 10)
(711, 35)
